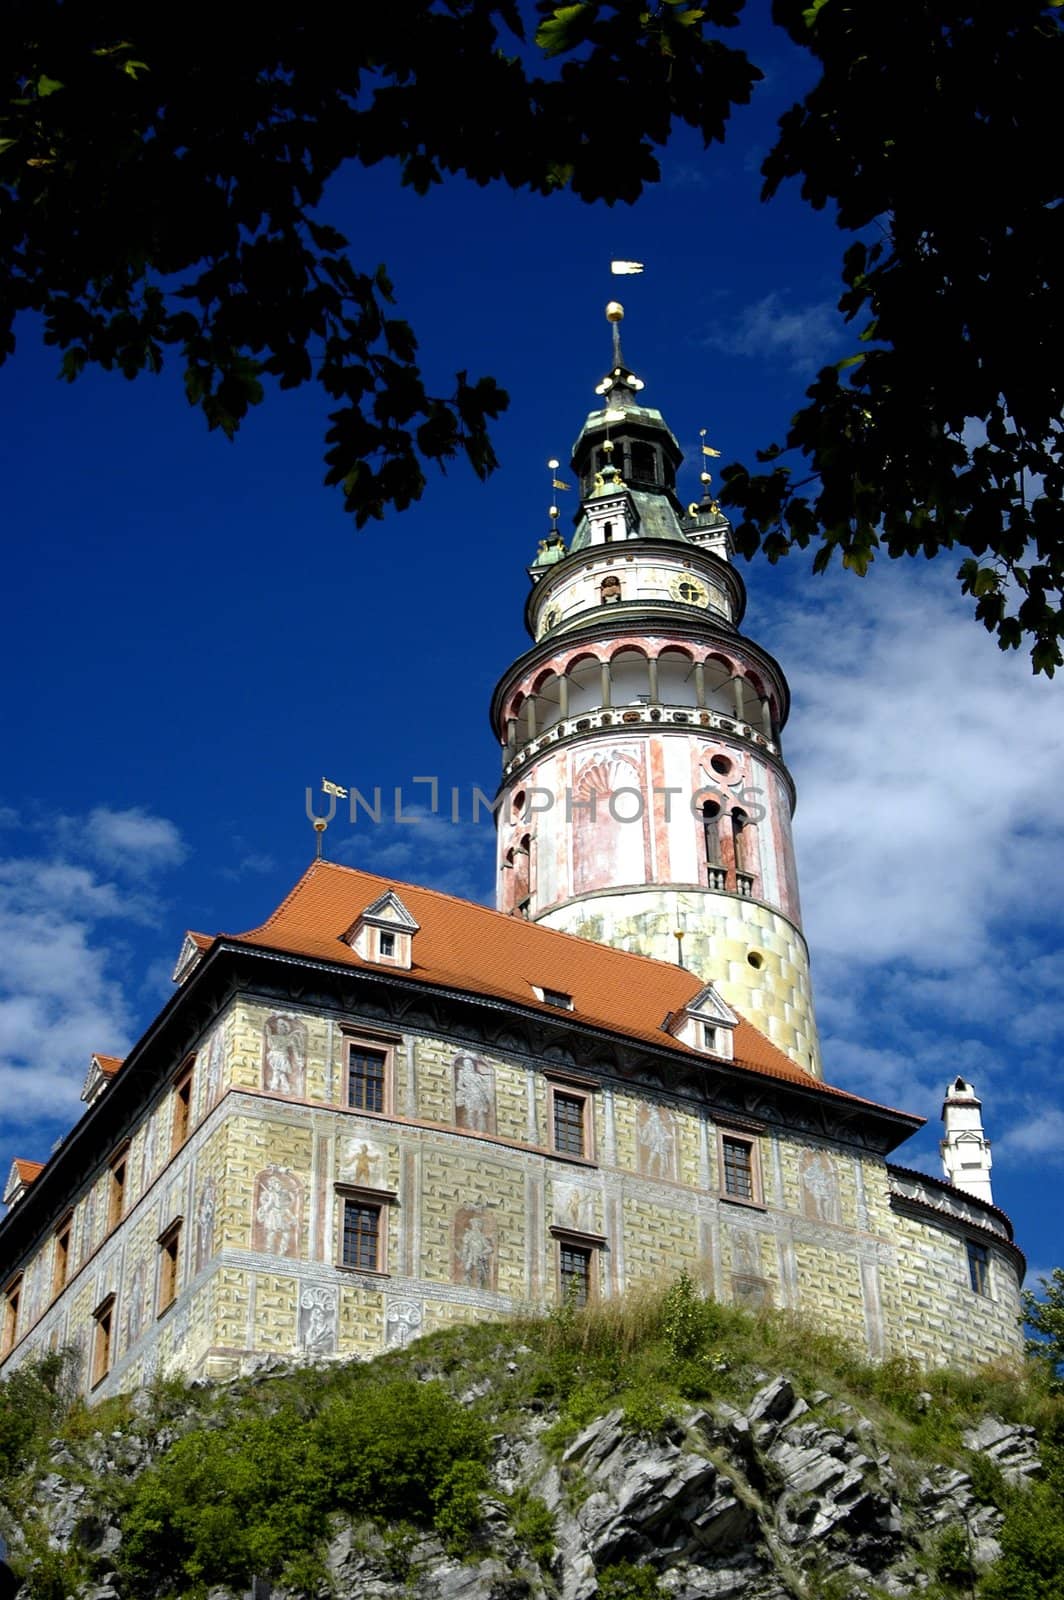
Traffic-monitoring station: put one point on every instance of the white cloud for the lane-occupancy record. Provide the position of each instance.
(804, 337)
(133, 841)
(930, 838)
(62, 985)
(1040, 1134)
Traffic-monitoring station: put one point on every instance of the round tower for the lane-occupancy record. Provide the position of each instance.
(644, 800)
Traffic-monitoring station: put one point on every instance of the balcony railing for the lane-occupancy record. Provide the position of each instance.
(744, 885)
(630, 716)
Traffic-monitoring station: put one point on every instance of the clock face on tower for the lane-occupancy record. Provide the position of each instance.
(689, 590)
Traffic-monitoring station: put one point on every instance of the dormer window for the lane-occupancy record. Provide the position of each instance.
(706, 1024)
(384, 933)
(554, 997)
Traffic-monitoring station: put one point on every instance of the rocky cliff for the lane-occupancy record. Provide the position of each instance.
(768, 1488)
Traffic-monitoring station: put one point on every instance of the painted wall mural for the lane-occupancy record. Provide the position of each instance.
(656, 1142)
(317, 1320)
(820, 1187)
(284, 1055)
(474, 1094)
(206, 1210)
(362, 1162)
(609, 830)
(215, 1057)
(475, 1254)
(277, 1213)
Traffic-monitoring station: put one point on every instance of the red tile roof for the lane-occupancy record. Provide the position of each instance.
(478, 951)
(27, 1170)
(108, 1065)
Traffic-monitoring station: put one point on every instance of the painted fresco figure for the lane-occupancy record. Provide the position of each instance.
(475, 1252)
(819, 1188)
(276, 1215)
(655, 1143)
(474, 1097)
(284, 1055)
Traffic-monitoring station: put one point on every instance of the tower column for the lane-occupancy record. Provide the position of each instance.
(652, 674)
(737, 697)
(511, 733)
(563, 696)
(607, 685)
(700, 685)
(530, 716)
(766, 717)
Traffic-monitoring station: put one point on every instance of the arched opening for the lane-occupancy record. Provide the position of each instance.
(585, 685)
(644, 464)
(718, 678)
(630, 672)
(743, 844)
(711, 815)
(548, 701)
(676, 679)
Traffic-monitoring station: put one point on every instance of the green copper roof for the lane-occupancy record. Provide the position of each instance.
(657, 519)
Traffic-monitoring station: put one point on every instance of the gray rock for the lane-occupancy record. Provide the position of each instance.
(1010, 1445)
(771, 1403)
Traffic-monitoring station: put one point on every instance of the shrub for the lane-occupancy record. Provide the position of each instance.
(252, 1497)
(533, 1525)
(626, 1581)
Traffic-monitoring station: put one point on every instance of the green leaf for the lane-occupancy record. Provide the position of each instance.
(47, 86)
(810, 14)
(565, 29)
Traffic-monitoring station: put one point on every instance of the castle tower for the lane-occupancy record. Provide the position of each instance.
(644, 800)
(965, 1149)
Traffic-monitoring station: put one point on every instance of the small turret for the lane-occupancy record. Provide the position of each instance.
(965, 1149)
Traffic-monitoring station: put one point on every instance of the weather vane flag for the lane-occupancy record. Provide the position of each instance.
(625, 269)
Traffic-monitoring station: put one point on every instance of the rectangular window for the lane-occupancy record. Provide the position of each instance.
(61, 1263)
(103, 1317)
(569, 1119)
(116, 1188)
(366, 1077)
(182, 1108)
(386, 943)
(979, 1267)
(12, 1296)
(574, 1273)
(169, 1258)
(740, 1167)
(361, 1245)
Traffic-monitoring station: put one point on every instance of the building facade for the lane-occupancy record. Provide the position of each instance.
(387, 1110)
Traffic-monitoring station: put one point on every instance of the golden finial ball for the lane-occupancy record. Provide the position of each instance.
(614, 311)
(320, 824)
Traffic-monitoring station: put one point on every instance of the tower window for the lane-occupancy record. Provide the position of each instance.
(644, 463)
(386, 943)
(607, 532)
(711, 831)
(979, 1267)
(610, 591)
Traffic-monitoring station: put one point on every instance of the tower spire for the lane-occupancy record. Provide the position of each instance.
(620, 385)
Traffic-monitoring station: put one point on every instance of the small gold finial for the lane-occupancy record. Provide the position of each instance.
(615, 311)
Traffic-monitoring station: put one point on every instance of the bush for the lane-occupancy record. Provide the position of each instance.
(533, 1525)
(252, 1497)
(626, 1581)
(33, 1401)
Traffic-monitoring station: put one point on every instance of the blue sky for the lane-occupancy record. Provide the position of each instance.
(194, 633)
